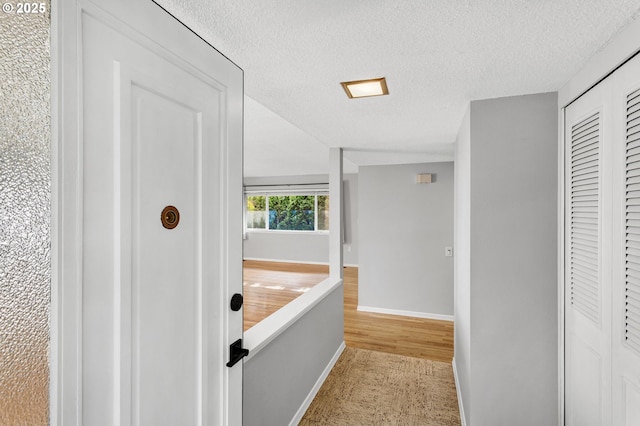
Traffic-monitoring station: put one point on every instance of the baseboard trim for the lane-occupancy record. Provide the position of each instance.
(439, 317)
(463, 420)
(302, 262)
(314, 391)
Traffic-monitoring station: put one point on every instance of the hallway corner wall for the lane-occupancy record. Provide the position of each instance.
(509, 160)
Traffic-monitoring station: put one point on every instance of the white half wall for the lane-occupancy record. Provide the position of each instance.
(279, 379)
(404, 228)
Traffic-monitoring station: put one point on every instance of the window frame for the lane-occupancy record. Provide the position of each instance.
(279, 193)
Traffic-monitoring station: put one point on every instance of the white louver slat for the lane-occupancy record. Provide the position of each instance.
(585, 154)
(632, 207)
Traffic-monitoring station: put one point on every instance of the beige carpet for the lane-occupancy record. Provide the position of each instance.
(375, 388)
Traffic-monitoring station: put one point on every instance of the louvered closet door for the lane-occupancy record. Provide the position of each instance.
(626, 254)
(588, 275)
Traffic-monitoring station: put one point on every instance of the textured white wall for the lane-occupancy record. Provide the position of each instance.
(25, 177)
(403, 230)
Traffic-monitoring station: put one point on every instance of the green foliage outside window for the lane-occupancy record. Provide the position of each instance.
(291, 212)
(287, 212)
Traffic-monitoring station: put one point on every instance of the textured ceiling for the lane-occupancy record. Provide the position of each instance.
(436, 56)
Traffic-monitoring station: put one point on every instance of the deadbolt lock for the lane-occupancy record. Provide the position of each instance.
(236, 302)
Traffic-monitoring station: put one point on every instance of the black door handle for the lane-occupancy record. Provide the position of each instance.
(236, 353)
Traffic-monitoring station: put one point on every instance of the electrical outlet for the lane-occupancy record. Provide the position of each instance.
(448, 251)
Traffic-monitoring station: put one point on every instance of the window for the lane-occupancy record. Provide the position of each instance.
(323, 212)
(284, 212)
(256, 212)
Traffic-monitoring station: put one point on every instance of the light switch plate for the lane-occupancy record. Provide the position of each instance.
(448, 251)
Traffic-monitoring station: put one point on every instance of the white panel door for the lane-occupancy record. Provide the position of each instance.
(626, 254)
(160, 125)
(588, 273)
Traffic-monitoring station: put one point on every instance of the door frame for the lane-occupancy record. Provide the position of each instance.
(65, 352)
(618, 51)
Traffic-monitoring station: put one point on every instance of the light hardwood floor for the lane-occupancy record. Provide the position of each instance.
(409, 336)
(270, 285)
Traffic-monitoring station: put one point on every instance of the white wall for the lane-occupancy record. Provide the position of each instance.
(403, 230)
(287, 246)
(305, 247)
(462, 262)
(512, 170)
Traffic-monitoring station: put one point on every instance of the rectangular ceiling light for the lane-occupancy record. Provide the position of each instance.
(365, 88)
